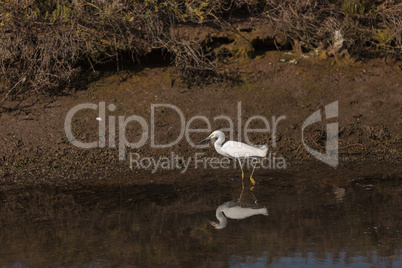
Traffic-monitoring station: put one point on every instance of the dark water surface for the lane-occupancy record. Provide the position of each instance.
(309, 225)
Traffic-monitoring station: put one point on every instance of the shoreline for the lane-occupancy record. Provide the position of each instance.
(33, 138)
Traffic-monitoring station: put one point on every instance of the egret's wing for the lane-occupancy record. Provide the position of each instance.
(239, 149)
(242, 213)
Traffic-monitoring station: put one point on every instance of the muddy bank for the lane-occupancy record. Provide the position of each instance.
(34, 144)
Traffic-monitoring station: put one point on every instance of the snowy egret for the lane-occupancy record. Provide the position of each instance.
(237, 150)
(236, 211)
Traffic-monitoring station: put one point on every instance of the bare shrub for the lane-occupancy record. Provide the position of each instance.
(391, 39)
(309, 23)
(46, 45)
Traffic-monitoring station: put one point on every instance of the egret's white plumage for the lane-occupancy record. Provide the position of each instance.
(240, 150)
(237, 211)
(237, 150)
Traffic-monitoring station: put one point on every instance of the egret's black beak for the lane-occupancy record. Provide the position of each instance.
(205, 140)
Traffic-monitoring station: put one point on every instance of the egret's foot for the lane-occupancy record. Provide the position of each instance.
(252, 188)
(252, 181)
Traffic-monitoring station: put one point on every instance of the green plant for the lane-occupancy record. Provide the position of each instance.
(353, 7)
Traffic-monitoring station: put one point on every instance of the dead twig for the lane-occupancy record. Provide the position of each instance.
(22, 80)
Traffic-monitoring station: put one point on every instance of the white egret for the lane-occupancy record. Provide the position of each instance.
(237, 150)
(236, 211)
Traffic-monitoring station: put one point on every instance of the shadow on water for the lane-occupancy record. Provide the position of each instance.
(282, 223)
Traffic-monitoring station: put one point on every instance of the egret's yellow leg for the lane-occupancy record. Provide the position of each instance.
(251, 176)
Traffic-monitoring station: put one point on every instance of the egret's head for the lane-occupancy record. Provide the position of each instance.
(216, 226)
(213, 135)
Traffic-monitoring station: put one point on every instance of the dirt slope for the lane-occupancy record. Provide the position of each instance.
(33, 139)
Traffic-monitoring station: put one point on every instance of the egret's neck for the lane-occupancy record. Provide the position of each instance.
(219, 141)
(221, 218)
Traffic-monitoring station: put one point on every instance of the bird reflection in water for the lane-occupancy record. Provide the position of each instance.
(236, 210)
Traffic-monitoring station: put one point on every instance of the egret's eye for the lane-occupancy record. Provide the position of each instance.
(211, 136)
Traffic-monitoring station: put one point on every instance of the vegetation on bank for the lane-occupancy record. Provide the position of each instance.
(49, 45)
